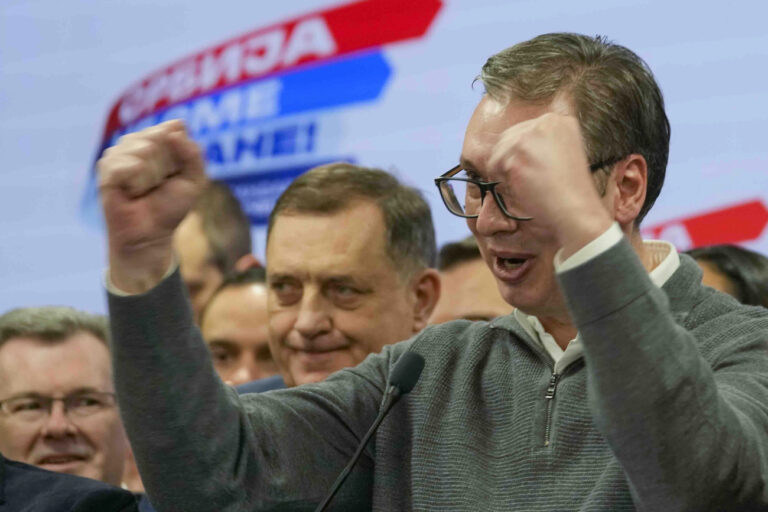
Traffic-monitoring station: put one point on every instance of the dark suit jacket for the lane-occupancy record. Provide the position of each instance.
(25, 488)
(261, 385)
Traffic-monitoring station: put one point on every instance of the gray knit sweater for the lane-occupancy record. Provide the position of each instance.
(667, 411)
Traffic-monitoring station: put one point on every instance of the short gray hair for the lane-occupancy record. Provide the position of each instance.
(51, 323)
(328, 189)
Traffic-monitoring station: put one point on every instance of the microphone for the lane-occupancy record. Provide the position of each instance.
(404, 376)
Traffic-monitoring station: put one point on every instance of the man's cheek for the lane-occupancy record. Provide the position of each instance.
(280, 324)
(359, 351)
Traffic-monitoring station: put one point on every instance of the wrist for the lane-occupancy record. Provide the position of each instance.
(138, 271)
(580, 231)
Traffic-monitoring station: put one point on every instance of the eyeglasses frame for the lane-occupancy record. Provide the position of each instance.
(50, 400)
(490, 186)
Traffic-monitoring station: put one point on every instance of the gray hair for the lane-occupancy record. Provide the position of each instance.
(51, 323)
(330, 188)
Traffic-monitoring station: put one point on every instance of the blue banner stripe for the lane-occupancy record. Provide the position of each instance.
(351, 80)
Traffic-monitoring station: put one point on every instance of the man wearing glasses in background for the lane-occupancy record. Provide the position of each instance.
(57, 405)
(620, 383)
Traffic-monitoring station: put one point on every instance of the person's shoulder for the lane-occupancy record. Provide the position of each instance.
(26, 487)
(261, 385)
(713, 307)
(695, 305)
(463, 336)
(722, 326)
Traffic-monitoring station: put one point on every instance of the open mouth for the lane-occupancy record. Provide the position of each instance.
(512, 263)
(512, 269)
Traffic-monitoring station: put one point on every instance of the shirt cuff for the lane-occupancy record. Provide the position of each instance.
(114, 290)
(599, 245)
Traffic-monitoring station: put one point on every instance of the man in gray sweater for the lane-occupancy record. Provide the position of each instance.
(619, 383)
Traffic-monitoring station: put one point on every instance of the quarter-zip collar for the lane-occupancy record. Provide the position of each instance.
(665, 261)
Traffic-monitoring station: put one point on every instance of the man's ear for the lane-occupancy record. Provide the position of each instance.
(247, 261)
(425, 287)
(628, 182)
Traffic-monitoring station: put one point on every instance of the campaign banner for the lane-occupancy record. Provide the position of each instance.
(733, 224)
(265, 105)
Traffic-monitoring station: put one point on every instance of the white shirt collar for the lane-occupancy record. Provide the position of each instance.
(665, 261)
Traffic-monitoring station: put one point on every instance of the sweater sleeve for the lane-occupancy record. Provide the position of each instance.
(200, 447)
(690, 434)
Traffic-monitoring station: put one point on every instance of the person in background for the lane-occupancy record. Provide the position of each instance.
(234, 325)
(57, 400)
(469, 290)
(213, 240)
(734, 270)
(350, 268)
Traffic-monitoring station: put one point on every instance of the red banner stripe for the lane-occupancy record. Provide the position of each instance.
(340, 30)
(731, 225)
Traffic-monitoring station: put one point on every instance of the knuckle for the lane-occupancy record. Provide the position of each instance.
(145, 147)
(126, 138)
(195, 150)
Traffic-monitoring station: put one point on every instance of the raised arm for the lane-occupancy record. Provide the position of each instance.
(199, 446)
(148, 183)
(678, 384)
(678, 387)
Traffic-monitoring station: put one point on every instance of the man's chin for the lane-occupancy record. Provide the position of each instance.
(309, 367)
(78, 468)
(304, 377)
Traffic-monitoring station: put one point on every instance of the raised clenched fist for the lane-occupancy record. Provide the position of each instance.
(148, 182)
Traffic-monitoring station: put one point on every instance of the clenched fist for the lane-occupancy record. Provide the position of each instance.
(148, 182)
(537, 154)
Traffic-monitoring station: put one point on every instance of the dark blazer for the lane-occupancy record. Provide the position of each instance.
(25, 488)
(261, 385)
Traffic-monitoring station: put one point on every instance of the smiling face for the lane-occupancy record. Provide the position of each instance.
(93, 446)
(520, 254)
(334, 294)
(234, 325)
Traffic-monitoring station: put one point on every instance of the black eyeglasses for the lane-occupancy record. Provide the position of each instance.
(463, 194)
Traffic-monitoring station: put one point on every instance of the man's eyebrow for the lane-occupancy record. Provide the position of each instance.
(466, 163)
(37, 394)
(360, 285)
(340, 278)
(222, 342)
(24, 394)
(345, 279)
(280, 275)
(84, 389)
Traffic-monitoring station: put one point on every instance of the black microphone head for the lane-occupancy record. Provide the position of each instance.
(406, 372)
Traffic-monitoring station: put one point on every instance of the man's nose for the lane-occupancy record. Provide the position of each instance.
(490, 218)
(242, 374)
(58, 423)
(314, 317)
